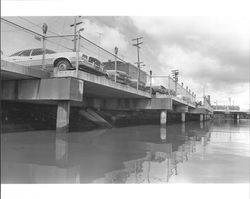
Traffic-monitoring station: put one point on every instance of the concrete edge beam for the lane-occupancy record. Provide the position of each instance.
(43, 89)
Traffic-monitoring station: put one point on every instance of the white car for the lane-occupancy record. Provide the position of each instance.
(58, 61)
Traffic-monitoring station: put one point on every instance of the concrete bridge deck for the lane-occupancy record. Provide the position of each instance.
(100, 86)
(67, 88)
(10, 71)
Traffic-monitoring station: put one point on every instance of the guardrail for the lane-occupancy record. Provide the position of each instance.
(173, 88)
(70, 45)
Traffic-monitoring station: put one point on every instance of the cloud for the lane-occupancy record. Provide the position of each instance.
(225, 39)
(193, 64)
(108, 37)
(209, 51)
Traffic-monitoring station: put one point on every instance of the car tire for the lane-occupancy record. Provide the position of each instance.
(62, 65)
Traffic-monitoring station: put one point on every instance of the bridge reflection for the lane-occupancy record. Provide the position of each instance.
(141, 154)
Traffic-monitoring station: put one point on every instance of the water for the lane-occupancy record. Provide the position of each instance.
(194, 152)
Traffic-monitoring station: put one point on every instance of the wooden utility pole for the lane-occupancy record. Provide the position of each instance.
(137, 45)
(75, 33)
(175, 74)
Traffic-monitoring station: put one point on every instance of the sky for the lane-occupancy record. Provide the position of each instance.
(211, 53)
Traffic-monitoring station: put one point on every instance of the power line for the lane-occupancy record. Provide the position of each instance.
(32, 32)
(98, 46)
(61, 36)
(26, 29)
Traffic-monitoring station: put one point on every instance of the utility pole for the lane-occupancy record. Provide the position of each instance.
(137, 45)
(204, 94)
(75, 33)
(175, 74)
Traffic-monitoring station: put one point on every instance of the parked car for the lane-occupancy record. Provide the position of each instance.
(56, 61)
(96, 63)
(133, 84)
(121, 76)
(157, 89)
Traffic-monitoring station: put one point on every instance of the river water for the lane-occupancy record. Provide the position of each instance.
(194, 152)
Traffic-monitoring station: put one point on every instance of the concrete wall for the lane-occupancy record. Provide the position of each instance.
(43, 89)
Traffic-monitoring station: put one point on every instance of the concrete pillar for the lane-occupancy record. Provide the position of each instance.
(163, 118)
(62, 120)
(183, 117)
(201, 117)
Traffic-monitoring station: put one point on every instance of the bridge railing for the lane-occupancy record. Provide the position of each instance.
(174, 88)
(17, 34)
(203, 103)
(16, 38)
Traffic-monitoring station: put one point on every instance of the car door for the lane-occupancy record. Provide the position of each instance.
(36, 58)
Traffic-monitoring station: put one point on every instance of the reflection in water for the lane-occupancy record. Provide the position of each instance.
(201, 125)
(163, 133)
(141, 154)
(62, 149)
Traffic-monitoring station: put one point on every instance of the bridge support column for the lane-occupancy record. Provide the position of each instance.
(238, 116)
(62, 120)
(163, 119)
(183, 117)
(201, 117)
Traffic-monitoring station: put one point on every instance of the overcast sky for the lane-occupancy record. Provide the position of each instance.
(210, 52)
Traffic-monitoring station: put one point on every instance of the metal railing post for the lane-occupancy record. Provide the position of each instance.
(169, 84)
(44, 49)
(150, 76)
(77, 53)
(115, 68)
(44, 29)
(116, 51)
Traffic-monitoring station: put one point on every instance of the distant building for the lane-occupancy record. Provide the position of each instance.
(225, 107)
(129, 68)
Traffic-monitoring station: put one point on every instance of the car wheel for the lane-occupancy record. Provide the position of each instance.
(62, 65)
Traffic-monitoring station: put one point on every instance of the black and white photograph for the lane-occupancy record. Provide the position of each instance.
(98, 100)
